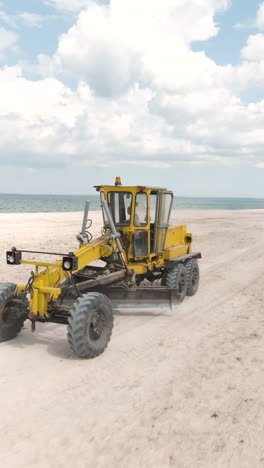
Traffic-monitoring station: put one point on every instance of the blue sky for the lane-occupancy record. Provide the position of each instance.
(226, 46)
(33, 40)
(167, 95)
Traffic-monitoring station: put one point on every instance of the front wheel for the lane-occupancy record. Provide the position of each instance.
(12, 312)
(90, 325)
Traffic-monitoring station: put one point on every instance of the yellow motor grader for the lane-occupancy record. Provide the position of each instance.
(145, 262)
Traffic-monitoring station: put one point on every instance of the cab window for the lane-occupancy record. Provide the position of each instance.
(120, 207)
(153, 206)
(166, 202)
(141, 215)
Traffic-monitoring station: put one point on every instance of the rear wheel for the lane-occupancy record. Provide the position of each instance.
(176, 278)
(12, 312)
(90, 325)
(193, 276)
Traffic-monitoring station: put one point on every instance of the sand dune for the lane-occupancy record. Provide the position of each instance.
(182, 389)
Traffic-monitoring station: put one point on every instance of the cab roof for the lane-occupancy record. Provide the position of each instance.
(124, 187)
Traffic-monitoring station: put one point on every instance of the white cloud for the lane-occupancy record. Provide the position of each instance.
(254, 50)
(143, 96)
(32, 19)
(8, 40)
(68, 5)
(24, 18)
(260, 16)
(92, 51)
(258, 22)
(39, 100)
(52, 120)
(56, 126)
(112, 46)
(248, 74)
(40, 111)
(7, 19)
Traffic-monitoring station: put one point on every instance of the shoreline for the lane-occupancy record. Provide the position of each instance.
(227, 210)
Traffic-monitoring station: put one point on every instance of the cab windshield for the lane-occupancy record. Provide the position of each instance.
(120, 207)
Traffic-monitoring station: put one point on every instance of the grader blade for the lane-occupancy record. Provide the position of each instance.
(156, 299)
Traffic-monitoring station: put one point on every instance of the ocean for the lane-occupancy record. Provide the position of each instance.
(13, 203)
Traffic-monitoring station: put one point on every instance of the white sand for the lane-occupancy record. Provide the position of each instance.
(182, 389)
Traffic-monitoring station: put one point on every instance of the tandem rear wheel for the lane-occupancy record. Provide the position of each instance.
(193, 277)
(176, 278)
(184, 277)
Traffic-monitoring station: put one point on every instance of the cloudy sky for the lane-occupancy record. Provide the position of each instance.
(159, 92)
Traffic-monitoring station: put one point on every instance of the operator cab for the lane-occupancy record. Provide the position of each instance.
(141, 214)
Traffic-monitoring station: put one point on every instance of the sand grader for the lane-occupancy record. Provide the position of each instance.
(144, 263)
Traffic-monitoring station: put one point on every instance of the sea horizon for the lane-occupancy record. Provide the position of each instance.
(95, 195)
(48, 203)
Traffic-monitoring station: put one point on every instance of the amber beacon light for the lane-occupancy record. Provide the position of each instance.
(118, 181)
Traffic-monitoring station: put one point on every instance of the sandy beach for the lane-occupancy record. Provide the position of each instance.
(181, 389)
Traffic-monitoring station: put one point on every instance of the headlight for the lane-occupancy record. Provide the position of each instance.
(13, 257)
(70, 263)
(67, 265)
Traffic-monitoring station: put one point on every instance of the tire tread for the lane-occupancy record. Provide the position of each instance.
(78, 320)
(8, 290)
(190, 264)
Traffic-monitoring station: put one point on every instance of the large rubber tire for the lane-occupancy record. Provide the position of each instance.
(193, 276)
(12, 314)
(176, 278)
(90, 325)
